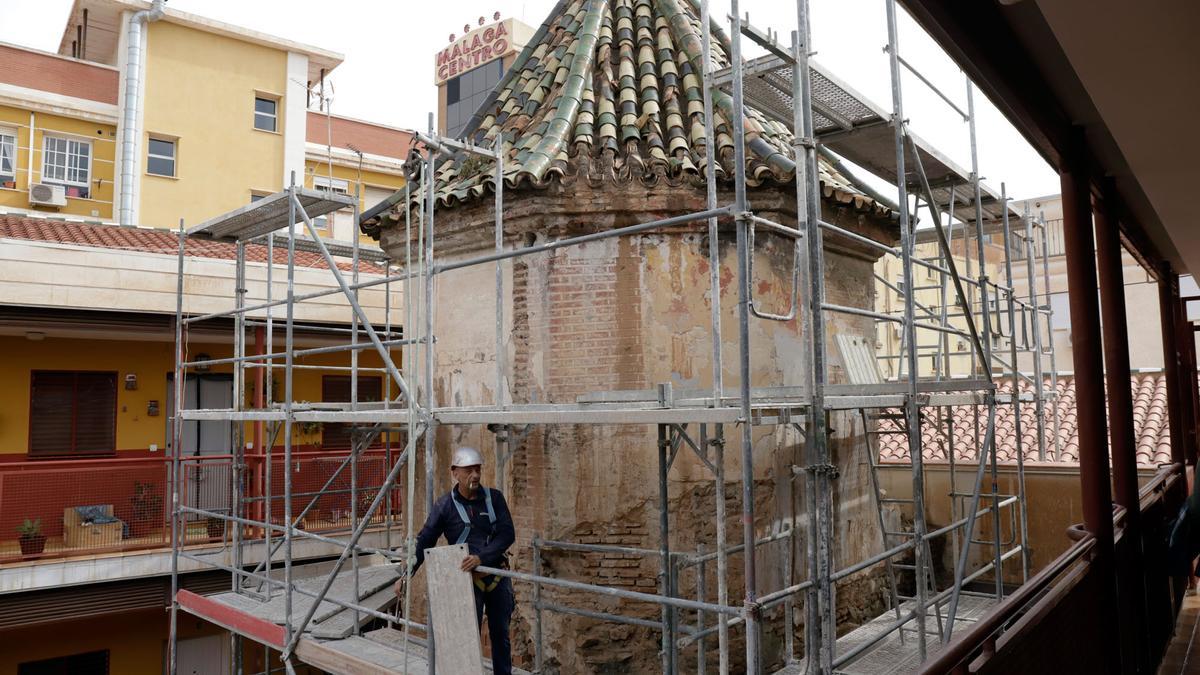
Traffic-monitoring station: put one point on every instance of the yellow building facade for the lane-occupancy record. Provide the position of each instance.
(92, 175)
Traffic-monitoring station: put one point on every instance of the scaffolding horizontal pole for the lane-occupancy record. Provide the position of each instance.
(613, 592)
(301, 298)
(843, 309)
(296, 532)
(693, 560)
(306, 366)
(777, 228)
(597, 548)
(859, 238)
(309, 328)
(873, 560)
(601, 616)
(583, 239)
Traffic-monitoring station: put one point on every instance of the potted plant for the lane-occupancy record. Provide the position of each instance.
(10, 184)
(33, 542)
(216, 527)
(147, 509)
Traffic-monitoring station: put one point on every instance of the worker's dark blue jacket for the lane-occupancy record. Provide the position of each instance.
(486, 539)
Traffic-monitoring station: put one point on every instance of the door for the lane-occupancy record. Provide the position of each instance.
(208, 655)
(209, 483)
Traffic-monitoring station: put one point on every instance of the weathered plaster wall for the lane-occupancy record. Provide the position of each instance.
(629, 313)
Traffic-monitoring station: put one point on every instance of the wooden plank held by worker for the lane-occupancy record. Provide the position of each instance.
(452, 612)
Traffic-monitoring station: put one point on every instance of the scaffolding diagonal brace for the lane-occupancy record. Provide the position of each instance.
(358, 310)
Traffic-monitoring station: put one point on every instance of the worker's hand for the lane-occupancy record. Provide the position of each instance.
(470, 562)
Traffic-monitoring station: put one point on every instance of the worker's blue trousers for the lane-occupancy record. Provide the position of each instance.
(498, 604)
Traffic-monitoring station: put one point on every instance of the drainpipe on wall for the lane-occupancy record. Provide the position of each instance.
(130, 133)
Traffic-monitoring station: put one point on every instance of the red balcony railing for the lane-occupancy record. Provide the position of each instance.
(89, 507)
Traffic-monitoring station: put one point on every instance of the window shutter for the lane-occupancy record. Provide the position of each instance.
(95, 413)
(73, 413)
(51, 412)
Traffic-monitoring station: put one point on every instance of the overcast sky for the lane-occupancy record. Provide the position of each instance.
(389, 49)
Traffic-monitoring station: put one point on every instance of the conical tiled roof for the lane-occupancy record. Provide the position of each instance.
(611, 89)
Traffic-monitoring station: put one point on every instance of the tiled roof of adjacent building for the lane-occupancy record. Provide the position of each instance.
(1151, 431)
(148, 240)
(611, 90)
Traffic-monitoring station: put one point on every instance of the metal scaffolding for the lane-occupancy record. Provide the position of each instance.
(782, 83)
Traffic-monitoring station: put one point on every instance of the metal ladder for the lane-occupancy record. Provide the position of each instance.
(895, 537)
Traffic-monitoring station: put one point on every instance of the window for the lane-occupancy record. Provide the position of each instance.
(160, 157)
(1060, 304)
(72, 413)
(335, 186)
(465, 93)
(265, 113)
(67, 162)
(336, 388)
(90, 663)
(8, 157)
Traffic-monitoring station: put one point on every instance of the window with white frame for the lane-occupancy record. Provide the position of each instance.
(266, 113)
(67, 162)
(160, 157)
(8, 158)
(336, 186)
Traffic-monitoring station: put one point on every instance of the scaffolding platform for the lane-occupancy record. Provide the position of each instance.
(859, 130)
(898, 653)
(270, 214)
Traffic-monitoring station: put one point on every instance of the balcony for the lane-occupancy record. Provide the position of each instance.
(106, 507)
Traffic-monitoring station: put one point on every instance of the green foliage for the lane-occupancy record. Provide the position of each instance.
(30, 528)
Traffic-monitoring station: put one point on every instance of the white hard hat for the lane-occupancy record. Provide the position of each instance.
(466, 457)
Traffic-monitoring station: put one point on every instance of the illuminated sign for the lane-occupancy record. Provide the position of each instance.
(484, 44)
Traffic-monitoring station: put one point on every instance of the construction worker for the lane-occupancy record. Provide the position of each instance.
(478, 517)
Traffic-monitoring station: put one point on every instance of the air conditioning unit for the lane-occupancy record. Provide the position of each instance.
(42, 194)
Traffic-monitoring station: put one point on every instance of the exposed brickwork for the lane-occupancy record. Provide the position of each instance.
(372, 139)
(58, 75)
(628, 313)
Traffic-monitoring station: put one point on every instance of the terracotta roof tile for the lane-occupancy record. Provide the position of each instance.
(149, 240)
(1152, 440)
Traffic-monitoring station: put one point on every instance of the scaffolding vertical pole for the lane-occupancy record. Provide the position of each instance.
(702, 596)
(985, 310)
(1016, 383)
(664, 562)
(288, 372)
(820, 625)
(239, 441)
(176, 438)
(722, 552)
(942, 367)
(1038, 378)
(1050, 336)
(714, 280)
(428, 337)
(710, 179)
(499, 148)
(355, 449)
(911, 412)
(538, 650)
(750, 609)
(268, 397)
(408, 363)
